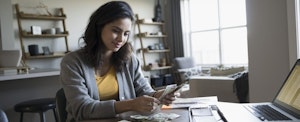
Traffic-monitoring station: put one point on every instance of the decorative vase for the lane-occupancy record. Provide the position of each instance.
(158, 11)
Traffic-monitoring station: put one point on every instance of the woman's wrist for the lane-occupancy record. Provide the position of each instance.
(154, 94)
(123, 106)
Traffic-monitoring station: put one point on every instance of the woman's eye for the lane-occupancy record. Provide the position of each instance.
(126, 33)
(115, 31)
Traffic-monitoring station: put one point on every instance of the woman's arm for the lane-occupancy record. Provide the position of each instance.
(141, 84)
(81, 92)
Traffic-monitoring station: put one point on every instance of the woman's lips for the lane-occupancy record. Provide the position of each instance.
(117, 45)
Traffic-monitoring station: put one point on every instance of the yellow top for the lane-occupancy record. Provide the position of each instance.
(108, 85)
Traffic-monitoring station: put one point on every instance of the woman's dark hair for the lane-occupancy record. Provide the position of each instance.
(94, 46)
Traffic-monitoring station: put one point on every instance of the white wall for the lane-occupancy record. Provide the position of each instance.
(292, 31)
(77, 12)
(268, 47)
(6, 30)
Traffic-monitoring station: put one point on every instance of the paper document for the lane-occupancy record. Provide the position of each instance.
(168, 90)
(192, 102)
(203, 111)
(203, 114)
(171, 89)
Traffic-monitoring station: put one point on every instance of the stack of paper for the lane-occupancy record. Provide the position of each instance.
(192, 102)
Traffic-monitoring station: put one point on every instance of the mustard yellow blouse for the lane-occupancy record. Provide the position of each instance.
(108, 87)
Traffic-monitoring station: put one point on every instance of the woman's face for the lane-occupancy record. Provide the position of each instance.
(116, 33)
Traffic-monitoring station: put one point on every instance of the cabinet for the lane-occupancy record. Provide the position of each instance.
(161, 47)
(26, 36)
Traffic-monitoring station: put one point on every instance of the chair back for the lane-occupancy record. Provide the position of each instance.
(61, 105)
(179, 64)
(183, 62)
(3, 117)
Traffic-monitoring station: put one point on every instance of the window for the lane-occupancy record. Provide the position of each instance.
(216, 31)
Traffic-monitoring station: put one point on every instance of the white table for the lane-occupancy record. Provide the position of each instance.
(31, 74)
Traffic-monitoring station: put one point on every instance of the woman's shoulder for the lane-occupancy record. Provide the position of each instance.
(135, 61)
(74, 55)
(134, 58)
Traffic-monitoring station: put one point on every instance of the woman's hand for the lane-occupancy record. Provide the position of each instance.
(145, 104)
(168, 99)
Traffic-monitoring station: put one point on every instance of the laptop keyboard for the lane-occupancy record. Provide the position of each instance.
(265, 112)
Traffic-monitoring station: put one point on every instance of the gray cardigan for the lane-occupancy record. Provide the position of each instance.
(79, 84)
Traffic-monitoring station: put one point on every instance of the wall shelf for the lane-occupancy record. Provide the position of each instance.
(145, 35)
(54, 55)
(41, 17)
(148, 68)
(163, 53)
(59, 17)
(143, 21)
(146, 50)
(45, 35)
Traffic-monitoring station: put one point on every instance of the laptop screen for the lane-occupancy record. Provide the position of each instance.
(288, 97)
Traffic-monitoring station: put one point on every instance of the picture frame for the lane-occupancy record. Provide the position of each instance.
(36, 30)
(46, 50)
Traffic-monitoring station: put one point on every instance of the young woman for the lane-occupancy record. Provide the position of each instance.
(104, 78)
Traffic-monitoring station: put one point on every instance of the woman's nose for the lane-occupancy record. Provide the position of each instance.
(120, 37)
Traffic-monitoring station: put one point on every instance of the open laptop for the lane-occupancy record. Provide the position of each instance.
(286, 102)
